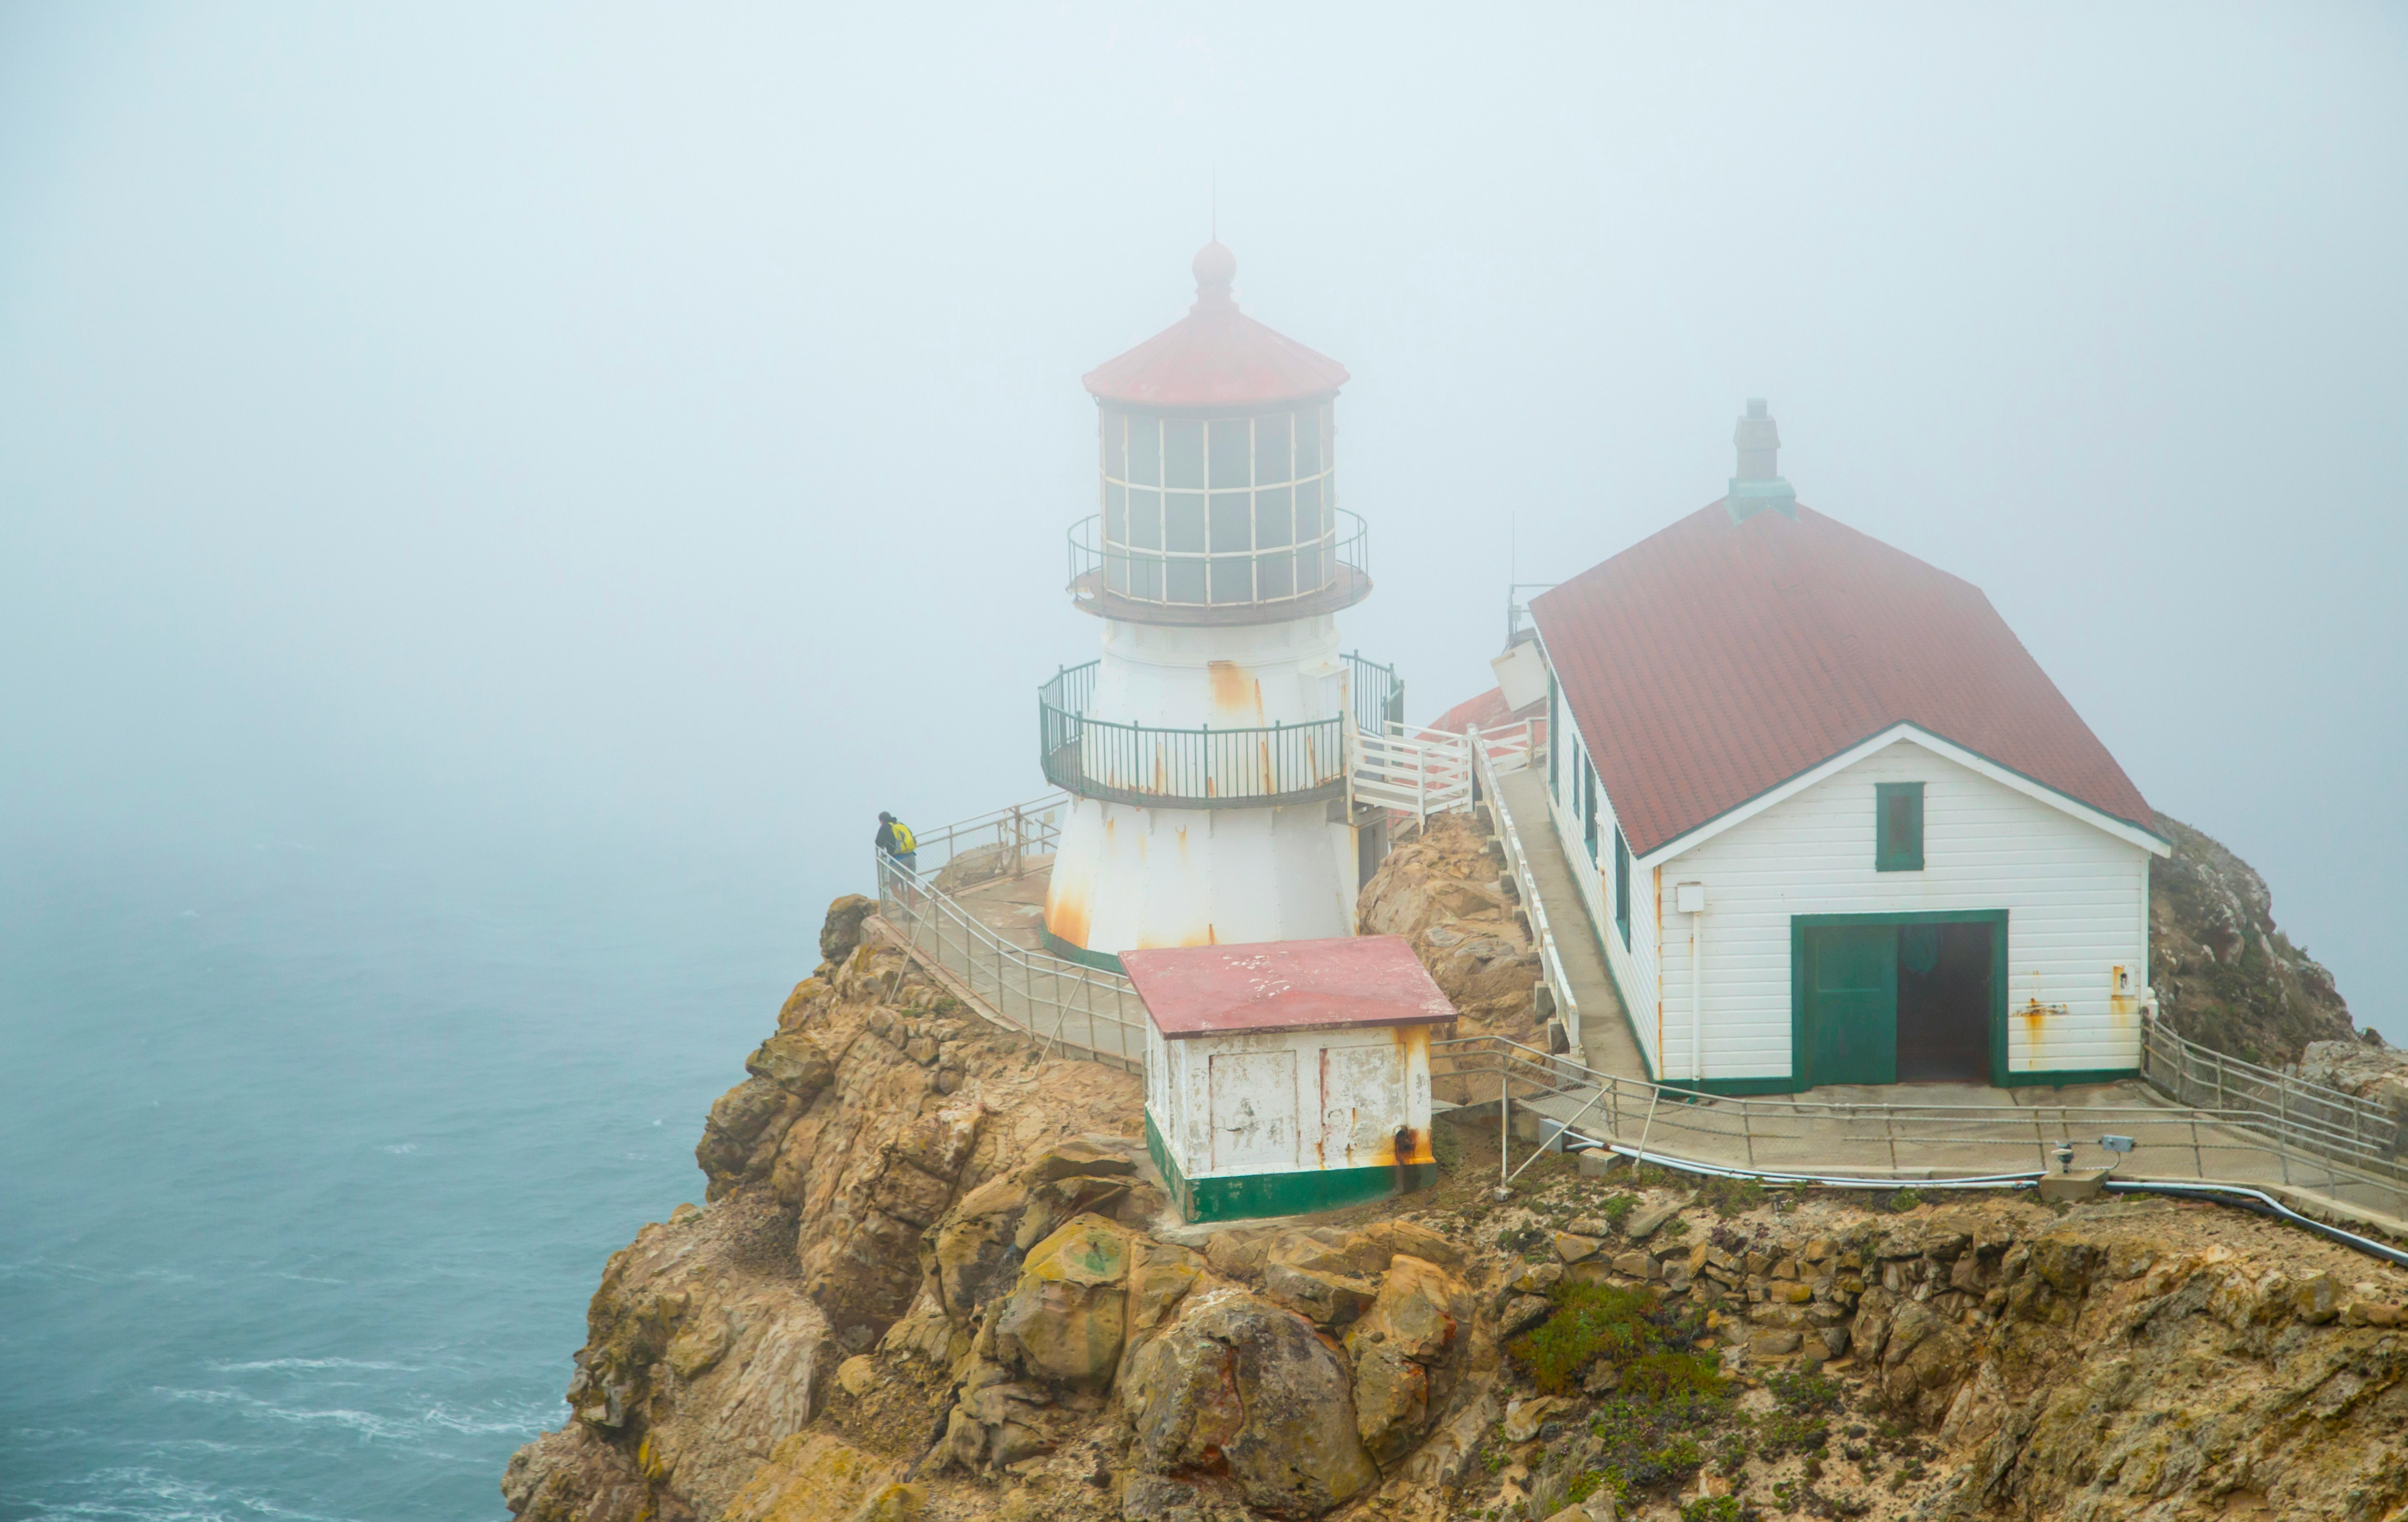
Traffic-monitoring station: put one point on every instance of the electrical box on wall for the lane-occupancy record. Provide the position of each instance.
(1689, 897)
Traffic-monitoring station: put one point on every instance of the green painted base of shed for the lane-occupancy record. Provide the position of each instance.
(1246, 1197)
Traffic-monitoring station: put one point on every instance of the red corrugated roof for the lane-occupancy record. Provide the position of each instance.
(1487, 710)
(1274, 985)
(1717, 660)
(1216, 356)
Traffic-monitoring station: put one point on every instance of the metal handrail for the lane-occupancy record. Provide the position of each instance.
(1058, 1005)
(2329, 1122)
(1377, 691)
(1014, 836)
(1252, 577)
(1517, 860)
(1151, 765)
(1777, 1138)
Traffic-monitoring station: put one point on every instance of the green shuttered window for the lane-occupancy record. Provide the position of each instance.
(1621, 886)
(1897, 812)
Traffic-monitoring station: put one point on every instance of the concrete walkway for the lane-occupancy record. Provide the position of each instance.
(1607, 1044)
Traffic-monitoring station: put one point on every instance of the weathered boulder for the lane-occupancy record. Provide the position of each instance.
(1644, 1221)
(1067, 1316)
(1237, 1381)
(1331, 1250)
(1392, 1401)
(1159, 1275)
(1480, 966)
(572, 1476)
(812, 1477)
(1440, 891)
(1130, 1201)
(974, 1254)
(1926, 1358)
(792, 1061)
(1420, 1309)
(1096, 1156)
(998, 1420)
(734, 1131)
(840, 931)
(1329, 1299)
(1414, 1240)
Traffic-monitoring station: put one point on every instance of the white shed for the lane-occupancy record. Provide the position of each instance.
(1287, 1076)
(1832, 821)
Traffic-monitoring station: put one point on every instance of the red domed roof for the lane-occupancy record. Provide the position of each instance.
(1216, 356)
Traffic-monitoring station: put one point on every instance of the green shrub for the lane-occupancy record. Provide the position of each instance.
(1806, 1395)
(1446, 1146)
(1727, 1197)
(1617, 1209)
(1904, 1201)
(1531, 1241)
(1667, 1375)
(1710, 1509)
(1590, 1321)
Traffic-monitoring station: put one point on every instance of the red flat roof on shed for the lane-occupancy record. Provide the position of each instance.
(1716, 660)
(1277, 985)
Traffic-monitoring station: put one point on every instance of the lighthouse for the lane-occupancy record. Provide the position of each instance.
(1205, 749)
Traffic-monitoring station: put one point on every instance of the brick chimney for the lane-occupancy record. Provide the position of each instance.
(1759, 484)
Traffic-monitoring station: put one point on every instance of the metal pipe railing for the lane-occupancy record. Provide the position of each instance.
(1195, 768)
(2311, 1117)
(1057, 1005)
(1517, 860)
(1800, 1138)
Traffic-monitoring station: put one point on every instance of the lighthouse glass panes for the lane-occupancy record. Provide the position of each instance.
(1218, 510)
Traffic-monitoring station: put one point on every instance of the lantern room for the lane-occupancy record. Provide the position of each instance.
(1289, 1075)
(1217, 474)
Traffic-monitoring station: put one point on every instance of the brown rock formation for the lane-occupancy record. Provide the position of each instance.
(1442, 891)
(2225, 975)
(914, 1298)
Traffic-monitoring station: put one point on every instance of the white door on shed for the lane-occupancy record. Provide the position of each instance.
(1362, 1104)
(1253, 1110)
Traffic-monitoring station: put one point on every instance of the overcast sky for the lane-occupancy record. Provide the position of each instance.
(664, 422)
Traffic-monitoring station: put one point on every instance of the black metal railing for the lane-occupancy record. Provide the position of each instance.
(1379, 694)
(1332, 569)
(1186, 769)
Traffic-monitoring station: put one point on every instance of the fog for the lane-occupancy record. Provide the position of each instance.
(660, 425)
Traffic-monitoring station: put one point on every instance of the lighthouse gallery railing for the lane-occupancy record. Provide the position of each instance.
(1203, 768)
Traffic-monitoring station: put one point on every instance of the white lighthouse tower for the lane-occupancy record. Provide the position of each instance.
(1206, 751)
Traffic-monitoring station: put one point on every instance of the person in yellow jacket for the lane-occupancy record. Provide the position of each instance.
(895, 838)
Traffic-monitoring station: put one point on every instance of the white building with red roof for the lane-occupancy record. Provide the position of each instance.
(1290, 1076)
(1206, 748)
(1830, 820)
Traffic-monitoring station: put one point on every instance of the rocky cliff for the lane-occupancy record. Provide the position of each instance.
(2225, 975)
(932, 1277)
(1444, 888)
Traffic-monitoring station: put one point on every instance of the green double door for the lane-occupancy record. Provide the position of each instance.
(1850, 1005)
(1910, 999)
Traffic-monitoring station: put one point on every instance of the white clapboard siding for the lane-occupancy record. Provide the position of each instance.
(1325, 1099)
(2077, 901)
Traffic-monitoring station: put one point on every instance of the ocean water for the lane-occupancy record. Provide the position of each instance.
(310, 1158)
